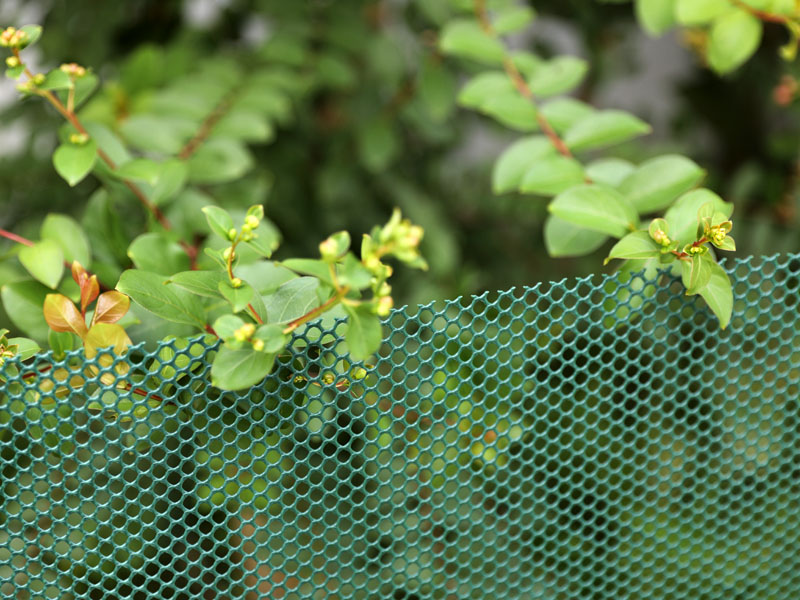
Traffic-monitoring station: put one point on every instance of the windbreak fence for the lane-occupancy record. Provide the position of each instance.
(589, 439)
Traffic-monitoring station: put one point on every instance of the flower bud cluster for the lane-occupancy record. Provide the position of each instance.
(12, 37)
(74, 70)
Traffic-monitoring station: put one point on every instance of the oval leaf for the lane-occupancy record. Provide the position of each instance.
(364, 332)
(552, 175)
(595, 207)
(241, 368)
(718, 294)
(516, 160)
(657, 182)
(74, 162)
(45, 261)
(565, 239)
(734, 38)
(635, 245)
(111, 307)
(604, 128)
(62, 315)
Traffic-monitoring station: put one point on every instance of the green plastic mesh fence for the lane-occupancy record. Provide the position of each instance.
(591, 439)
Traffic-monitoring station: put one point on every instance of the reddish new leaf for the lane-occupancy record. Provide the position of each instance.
(111, 307)
(62, 315)
(89, 292)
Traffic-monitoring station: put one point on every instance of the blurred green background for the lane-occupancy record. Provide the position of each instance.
(375, 125)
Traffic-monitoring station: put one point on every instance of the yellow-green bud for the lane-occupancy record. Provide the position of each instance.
(79, 139)
(7, 35)
(372, 262)
(236, 282)
(359, 373)
(25, 86)
(385, 305)
(247, 235)
(258, 345)
(328, 249)
(227, 254)
(385, 289)
(251, 221)
(73, 70)
(38, 79)
(12, 61)
(232, 233)
(245, 332)
(660, 237)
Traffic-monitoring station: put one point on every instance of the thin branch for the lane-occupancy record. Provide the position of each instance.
(15, 238)
(207, 125)
(762, 14)
(313, 314)
(519, 82)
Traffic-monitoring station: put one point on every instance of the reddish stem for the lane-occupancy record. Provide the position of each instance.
(15, 238)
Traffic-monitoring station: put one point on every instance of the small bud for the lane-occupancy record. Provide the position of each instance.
(236, 282)
(372, 262)
(232, 233)
(74, 70)
(385, 289)
(359, 373)
(26, 87)
(245, 332)
(79, 139)
(12, 61)
(7, 35)
(38, 79)
(247, 236)
(258, 345)
(251, 221)
(227, 254)
(328, 249)
(385, 305)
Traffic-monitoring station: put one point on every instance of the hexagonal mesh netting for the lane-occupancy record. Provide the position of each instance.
(585, 439)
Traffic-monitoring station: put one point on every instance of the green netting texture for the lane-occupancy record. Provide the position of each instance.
(588, 439)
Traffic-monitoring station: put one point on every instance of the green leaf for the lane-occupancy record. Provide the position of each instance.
(377, 144)
(219, 221)
(227, 325)
(563, 113)
(364, 332)
(173, 304)
(60, 342)
(682, 216)
(139, 169)
(240, 369)
(437, 89)
(164, 134)
(171, 180)
(239, 297)
(70, 237)
(157, 253)
(700, 12)
(23, 302)
(604, 128)
(266, 239)
(265, 276)
(516, 160)
(595, 207)
(718, 294)
(74, 162)
(353, 274)
(696, 272)
(309, 266)
(656, 16)
(218, 161)
(292, 300)
(25, 348)
(557, 76)
(552, 175)
(727, 244)
(512, 110)
(34, 33)
(273, 337)
(56, 80)
(658, 181)
(465, 38)
(562, 238)
(635, 245)
(609, 171)
(734, 38)
(202, 283)
(483, 87)
(243, 124)
(45, 261)
(511, 19)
